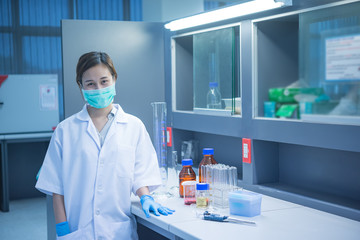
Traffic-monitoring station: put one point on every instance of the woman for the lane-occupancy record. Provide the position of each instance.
(96, 158)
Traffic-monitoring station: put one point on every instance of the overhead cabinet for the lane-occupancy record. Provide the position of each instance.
(306, 65)
(205, 71)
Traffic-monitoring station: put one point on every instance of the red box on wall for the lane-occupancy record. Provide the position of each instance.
(246, 153)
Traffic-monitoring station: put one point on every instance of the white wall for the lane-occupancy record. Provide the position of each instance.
(166, 10)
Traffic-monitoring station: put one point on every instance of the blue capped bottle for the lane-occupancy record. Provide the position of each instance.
(208, 159)
(213, 98)
(186, 174)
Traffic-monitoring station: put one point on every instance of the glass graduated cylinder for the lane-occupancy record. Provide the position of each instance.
(159, 138)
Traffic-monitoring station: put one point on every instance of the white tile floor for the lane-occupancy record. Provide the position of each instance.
(26, 220)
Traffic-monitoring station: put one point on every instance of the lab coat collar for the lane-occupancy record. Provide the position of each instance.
(120, 116)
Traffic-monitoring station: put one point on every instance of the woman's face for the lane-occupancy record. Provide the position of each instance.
(97, 77)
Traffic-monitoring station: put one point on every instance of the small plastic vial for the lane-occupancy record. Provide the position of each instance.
(186, 174)
(202, 195)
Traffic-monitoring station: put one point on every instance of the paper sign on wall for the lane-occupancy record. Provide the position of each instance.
(48, 100)
(343, 58)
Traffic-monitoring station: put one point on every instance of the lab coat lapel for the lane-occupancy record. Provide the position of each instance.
(93, 133)
(111, 132)
(83, 115)
(120, 117)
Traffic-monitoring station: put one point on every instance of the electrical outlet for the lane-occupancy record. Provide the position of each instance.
(246, 150)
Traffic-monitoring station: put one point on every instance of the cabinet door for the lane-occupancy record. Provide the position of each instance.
(205, 70)
(137, 50)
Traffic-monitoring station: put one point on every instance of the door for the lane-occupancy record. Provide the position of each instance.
(137, 50)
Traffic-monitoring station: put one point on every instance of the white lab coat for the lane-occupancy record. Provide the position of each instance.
(97, 181)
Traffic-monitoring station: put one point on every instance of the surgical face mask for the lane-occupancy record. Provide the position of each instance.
(100, 98)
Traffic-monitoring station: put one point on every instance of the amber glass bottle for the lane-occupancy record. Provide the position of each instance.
(186, 174)
(208, 159)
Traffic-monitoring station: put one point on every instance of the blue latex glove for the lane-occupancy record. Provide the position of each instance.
(62, 229)
(149, 205)
(38, 174)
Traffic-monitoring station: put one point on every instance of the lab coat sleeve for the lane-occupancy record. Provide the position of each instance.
(50, 177)
(146, 171)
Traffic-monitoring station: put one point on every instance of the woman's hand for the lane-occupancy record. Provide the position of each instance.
(62, 226)
(149, 205)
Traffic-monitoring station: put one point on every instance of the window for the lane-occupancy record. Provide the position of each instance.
(30, 30)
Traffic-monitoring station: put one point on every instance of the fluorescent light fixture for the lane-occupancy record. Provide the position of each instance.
(226, 13)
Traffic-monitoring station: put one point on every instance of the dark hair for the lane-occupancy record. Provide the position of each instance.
(91, 59)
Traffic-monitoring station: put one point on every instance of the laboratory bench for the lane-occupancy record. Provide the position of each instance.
(279, 219)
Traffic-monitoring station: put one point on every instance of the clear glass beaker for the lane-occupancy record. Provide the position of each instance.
(173, 175)
(159, 138)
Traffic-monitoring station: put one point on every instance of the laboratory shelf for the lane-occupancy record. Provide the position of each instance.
(333, 136)
(342, 206)
(221, 125)
(322, 178)
(322, 135)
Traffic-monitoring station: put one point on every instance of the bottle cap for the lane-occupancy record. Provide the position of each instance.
(202, 186)
(187, 162)
(208, 151)
(213, 84)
